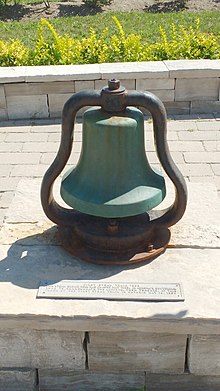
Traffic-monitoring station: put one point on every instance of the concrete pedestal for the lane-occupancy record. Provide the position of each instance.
(48, 344)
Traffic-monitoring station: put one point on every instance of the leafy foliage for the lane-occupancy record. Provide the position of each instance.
(51, 48)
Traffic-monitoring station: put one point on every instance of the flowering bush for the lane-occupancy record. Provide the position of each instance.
(50, 48)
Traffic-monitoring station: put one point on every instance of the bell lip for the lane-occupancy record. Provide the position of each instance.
(113, 210)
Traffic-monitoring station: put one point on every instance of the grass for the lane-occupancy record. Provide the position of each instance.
(143, 23)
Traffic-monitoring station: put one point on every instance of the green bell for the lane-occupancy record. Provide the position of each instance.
(113, 177)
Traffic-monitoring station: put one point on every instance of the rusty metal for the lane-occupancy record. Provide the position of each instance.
(75, 236)
(135, 240)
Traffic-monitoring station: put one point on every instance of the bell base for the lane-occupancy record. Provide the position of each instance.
(115, 241)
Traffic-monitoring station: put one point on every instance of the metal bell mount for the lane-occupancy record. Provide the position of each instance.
(113, 189)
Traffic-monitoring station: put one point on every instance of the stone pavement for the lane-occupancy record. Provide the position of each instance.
(28, 147)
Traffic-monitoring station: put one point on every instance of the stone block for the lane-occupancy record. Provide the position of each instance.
(84, 85)
(13, 74)
(56, 103)
(33, 171)
(204, 353)
(32, 106)
(42, 349)
(19, 158)
(129, 84)
(201, 135)
(186, 382)
(22, 89)
(173, 108)
(52, 380)
(18, 379)
(193, 68)
(154, 84)
(208, 125)
(164, 95)
(202, 157)
(56, 73)
(195, 170)
(201, 89)
(200, 107)
(140, 351)
(3, 106)
(134, 70)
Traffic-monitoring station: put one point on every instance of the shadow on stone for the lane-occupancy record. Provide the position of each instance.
(40, 257)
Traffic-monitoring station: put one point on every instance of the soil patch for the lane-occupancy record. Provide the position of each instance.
(36, 11)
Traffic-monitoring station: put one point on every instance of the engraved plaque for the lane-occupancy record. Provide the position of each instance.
(84, 289)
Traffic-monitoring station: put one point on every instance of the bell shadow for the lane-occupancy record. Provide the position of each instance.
(40, 257)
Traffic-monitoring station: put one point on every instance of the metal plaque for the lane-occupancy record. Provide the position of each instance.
(84, 289)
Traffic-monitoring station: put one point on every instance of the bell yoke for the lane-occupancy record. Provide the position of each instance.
(113, 189)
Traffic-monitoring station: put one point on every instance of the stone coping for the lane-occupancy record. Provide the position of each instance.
(149, 69)
(184, 86)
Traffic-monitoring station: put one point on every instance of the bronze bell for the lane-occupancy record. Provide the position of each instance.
(113, 185)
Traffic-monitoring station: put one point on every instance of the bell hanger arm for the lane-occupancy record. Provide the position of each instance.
(154, 105)
(52, 209)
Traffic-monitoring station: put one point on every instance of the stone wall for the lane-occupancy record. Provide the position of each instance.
(185, 86)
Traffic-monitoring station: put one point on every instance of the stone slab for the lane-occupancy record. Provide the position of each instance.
(193, 68)
(197, 228)
(32, 106)
(55, 380)
(30, 252)
(56, 73)
(154, 353)
(134, 70)
(42, 349)
(12, 74)
(204, 352)
(186, 382)
(18, 379)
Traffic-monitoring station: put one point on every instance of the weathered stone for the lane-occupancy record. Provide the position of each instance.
(54, 380)
(18, 379)
(3, 105)
(129, 84)
(154, 84)
(56, 73)
(41, 349)
(204, 352)
(140, 351)
(173, 108)
(206, 89)
(184, 382)
(200, 107)
(134, 70)
(164, 95)
(56, 103)
(21, 89)
(13, 74)
(193, 68)
(32, 106)
(84, 85)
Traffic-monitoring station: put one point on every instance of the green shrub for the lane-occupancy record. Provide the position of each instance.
(13, 53)
(50, 48)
